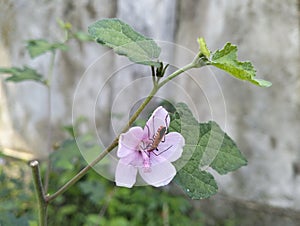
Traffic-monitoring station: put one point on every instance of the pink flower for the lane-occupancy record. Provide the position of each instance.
(149, 151)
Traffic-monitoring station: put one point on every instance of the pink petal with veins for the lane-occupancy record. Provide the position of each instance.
(160, 174)
(125, 174)
(159, 117)
(172, 148)
(129, 141)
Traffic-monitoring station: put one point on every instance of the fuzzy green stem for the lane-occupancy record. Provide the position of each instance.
(42, 204)
(49, 136)
(48, 78)
(176, 73)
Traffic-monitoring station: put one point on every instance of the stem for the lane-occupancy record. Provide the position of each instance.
(176, 73)
(141, 108)
(40, 194)
(51, 67)
(49, 137)
(114, 143)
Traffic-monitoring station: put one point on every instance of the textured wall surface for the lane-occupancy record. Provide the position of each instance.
(265, 123)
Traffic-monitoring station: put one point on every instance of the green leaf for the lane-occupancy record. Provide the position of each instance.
(38, 47)
(119, 36)
(206, 146)
(226, 59)
(219, 151)
(64, 25)
(197, 184)
(22, 74)
(203, 47)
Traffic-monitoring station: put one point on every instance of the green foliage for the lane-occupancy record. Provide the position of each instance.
(196, 183)
(226, 59)
(68, 158)
(64, 25)
(206, 146)
(22, 74)
(119, 36)
(218, 150)
(97, 201)
(38, 47)
(203, 47)
(17, 200)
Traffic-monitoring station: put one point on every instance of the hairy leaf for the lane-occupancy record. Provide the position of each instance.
(125, 41)
(203, 47)
(197, 184)
(22, 74)
(218, 150)
(38, 47)
(206, 146)
(226, 59)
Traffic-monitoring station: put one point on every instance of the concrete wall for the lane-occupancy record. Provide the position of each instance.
(263, 122)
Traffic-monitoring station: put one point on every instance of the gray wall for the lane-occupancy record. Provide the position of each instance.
(263, 122)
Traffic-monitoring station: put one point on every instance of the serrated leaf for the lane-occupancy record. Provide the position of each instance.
(197, 184)
(219, 151)
(206, 146)
(22, 74)
(119, 36)
(38, 47)
(226, 59)
(203, 47)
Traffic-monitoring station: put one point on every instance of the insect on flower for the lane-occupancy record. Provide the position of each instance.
(149, 151)
(158, 137)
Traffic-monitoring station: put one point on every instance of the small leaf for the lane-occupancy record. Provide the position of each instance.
(125, 41)
(38, 47)
(64, 25)
(226, 59)
(22, 74)
(203, 47)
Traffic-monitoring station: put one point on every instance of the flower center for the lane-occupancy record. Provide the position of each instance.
(143, 149)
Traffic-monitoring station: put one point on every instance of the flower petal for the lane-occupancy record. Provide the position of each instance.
(159, 174)
(125, 175)
(171, 148)
(160, 117)
(129, 141)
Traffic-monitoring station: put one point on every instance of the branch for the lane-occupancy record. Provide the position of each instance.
(39, 190)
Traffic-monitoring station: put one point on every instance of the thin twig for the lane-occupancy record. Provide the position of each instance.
(49, 108)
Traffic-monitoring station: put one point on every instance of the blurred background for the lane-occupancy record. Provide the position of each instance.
(91, 81)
